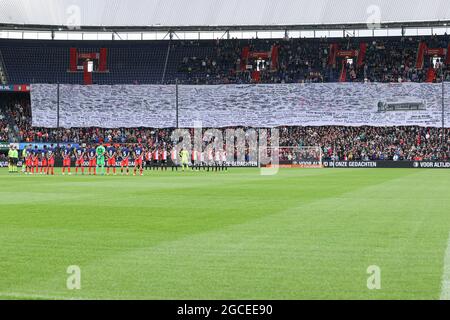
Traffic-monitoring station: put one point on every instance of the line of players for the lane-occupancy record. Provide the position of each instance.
(42, 161)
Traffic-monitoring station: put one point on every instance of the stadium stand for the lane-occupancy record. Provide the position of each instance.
(289, 60)
(392, 59)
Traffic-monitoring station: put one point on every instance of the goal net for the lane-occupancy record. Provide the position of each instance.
(291, 157)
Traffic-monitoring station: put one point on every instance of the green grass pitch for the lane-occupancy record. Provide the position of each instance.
(301, 234)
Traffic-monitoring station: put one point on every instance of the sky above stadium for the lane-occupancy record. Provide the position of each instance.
(218, 12)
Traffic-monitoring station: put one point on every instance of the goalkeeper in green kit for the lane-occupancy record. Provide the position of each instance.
(100, 151)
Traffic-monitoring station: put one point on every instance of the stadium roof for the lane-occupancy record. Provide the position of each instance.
(193, 14)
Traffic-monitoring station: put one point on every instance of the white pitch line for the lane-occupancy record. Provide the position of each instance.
(34, 296)
(445, 286)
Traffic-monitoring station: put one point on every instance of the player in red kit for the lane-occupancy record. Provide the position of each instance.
(164, 159)
(111, 159)
(66, 153)
(44, 161)
(174, 159)
(224, 161)
(125, 163)
(210, 160)
(35, 160)
(155, 159)
(148, 159)
(193, 159)
(92, 160)
(202, 161)
(51, 160)
(138, 159)
(79, 154)
(28, 161)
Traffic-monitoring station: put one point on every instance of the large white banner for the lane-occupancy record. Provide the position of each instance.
(346, 104)
(44, 108)
(104, 106)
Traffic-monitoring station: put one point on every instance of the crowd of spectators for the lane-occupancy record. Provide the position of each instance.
(15, 113)
(372, 143)
(93, 135)
(4, 128)
(340, 143)
(306, 60)
(297, 62)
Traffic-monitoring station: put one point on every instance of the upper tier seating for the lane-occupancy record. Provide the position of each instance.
(219, 61)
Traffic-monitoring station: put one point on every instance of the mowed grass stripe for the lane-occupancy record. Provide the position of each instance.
(221, 240)
(210, 289)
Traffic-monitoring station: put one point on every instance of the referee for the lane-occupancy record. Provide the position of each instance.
(13, 159)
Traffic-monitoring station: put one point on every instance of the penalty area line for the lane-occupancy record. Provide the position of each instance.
(445, 286)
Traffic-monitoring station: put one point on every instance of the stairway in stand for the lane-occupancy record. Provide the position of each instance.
(343, 75)
(431, 75)
(421, 55)
(3, 75)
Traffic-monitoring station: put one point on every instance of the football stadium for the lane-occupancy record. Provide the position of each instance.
(224, 150)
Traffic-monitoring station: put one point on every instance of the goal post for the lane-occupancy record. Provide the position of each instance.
(291, 157)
